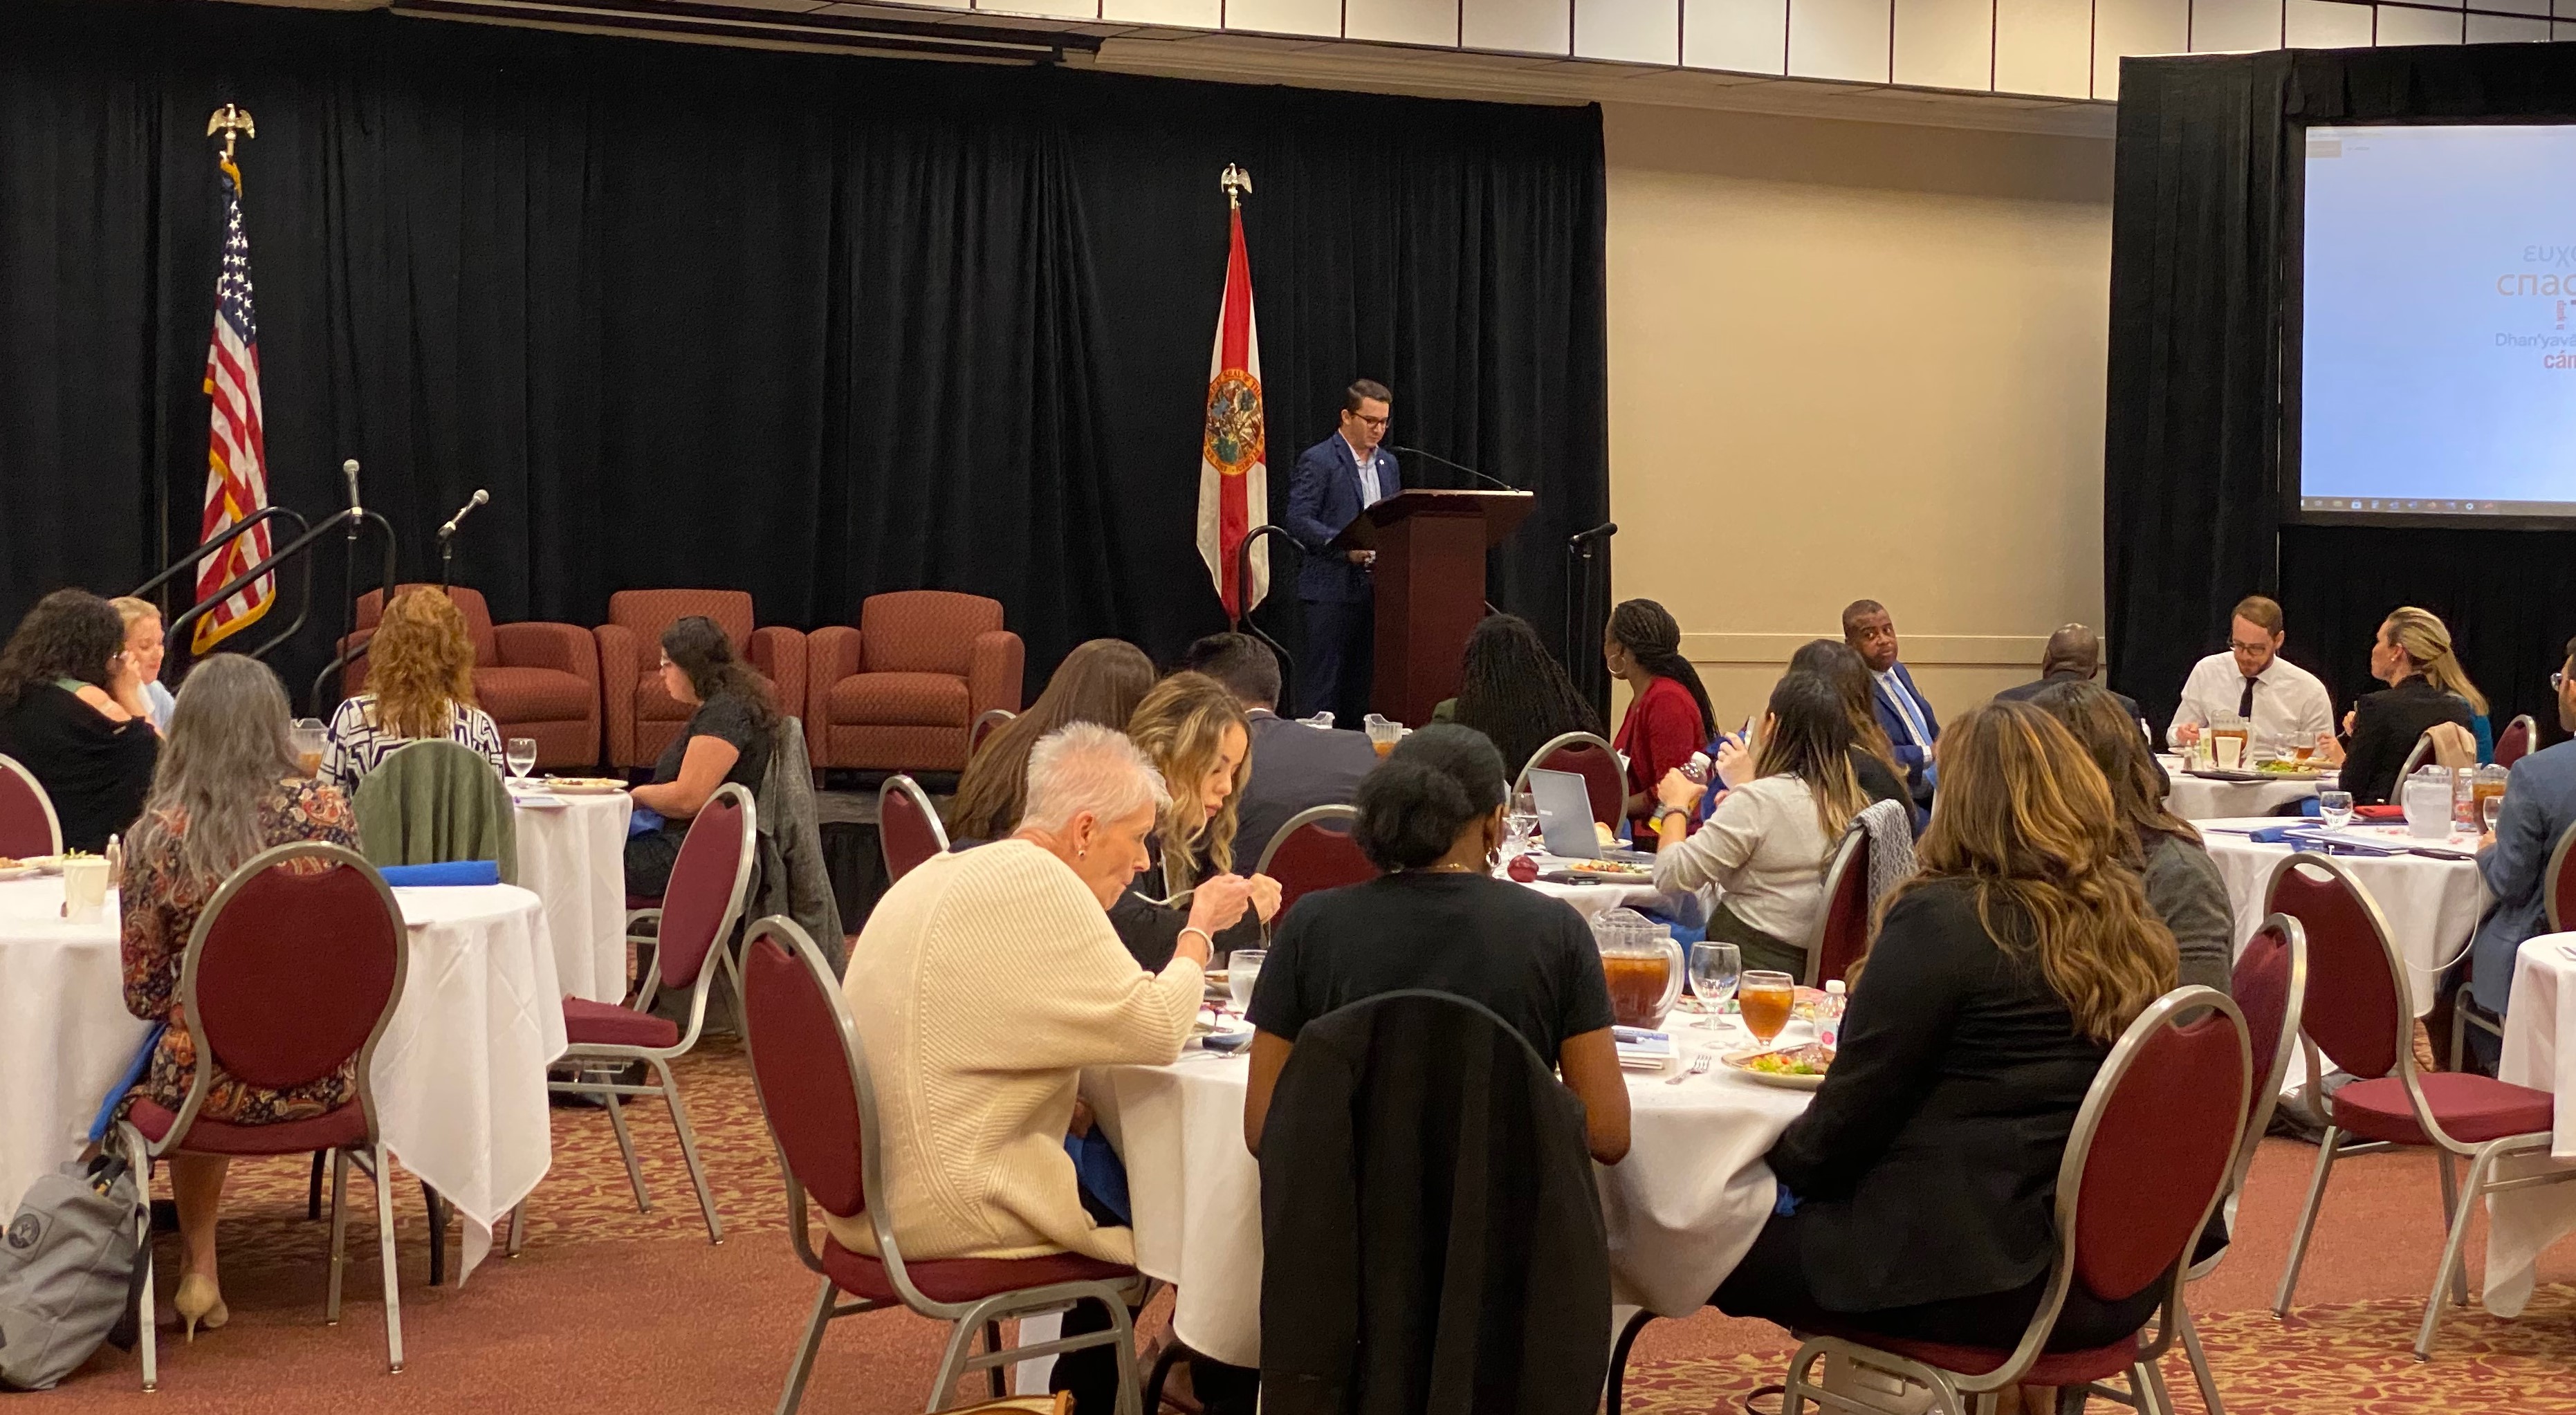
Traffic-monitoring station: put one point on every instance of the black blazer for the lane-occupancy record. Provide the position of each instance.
(1435, 1240)
(1294, 766)
(2034, 688)
(2385, 725)
(1927, 1166)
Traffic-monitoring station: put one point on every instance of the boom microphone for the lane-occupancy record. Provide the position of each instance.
(1606, 528)
(480, 497)
(1457, 466)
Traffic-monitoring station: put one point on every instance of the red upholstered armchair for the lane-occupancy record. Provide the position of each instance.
(899, 692)
(537, 680)
(642, 719)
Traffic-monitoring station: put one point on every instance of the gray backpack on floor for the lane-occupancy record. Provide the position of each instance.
(68, 1268)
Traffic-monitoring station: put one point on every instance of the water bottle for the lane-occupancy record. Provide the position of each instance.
(1697, 767)
(2464, 800)
(1829, 1022)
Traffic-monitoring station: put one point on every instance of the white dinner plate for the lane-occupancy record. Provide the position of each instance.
(1736, 1064)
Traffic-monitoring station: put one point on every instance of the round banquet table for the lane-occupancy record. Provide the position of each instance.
(2196, 798)
(572, 856)
(2432, 905)
(459, 1075)
(65, 1036)
(2539, 1052)
(1681, 1209)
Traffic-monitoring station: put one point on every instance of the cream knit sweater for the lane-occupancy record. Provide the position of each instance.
(983, 983)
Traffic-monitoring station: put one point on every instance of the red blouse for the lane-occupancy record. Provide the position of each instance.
(1660, 732)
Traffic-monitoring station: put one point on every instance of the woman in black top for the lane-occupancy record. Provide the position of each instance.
(1921, 1183)
(728, 739)
(2426, 685)
(72, 712)
(1431, 816)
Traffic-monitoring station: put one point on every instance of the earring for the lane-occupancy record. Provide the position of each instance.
(1082, 854)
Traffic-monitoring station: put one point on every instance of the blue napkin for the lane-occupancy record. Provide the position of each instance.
(451, 872)
(2274, 834)
(645, 821)
(1102, 1174)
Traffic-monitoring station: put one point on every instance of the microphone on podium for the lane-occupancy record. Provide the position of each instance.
(1457, 466)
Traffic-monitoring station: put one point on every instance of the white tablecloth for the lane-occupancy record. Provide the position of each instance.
(573, 857)
(65, 1036)
(2539, 1052)
(460, 1075)
(2197, 799)
(2432, 905)
(1681, 1209)
(1591, 899)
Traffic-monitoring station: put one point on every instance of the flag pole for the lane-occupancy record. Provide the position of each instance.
(233, 121)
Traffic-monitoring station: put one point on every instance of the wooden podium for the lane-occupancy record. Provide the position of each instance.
(1430, 577)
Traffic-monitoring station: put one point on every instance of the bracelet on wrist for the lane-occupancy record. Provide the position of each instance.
(1204, 937)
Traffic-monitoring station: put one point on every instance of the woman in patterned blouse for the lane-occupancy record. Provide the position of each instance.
(226, 789)
(420, 683)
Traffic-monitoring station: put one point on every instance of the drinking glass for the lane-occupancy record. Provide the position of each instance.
(1714, 968)
(310, 740)
(2490, 807)
(1383, 733)
(1765, 997)
(521, 753)
(1242, 970)
(2335, 808)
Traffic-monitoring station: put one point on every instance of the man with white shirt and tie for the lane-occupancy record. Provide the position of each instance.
(1336, 480)
(2251, 683)
(1903, 712)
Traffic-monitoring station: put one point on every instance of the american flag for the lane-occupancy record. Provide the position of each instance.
(236, 457)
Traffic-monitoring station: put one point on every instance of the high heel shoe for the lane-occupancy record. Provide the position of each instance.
(200, 1303)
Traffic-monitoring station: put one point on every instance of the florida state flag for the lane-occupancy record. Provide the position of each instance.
(1234, 477)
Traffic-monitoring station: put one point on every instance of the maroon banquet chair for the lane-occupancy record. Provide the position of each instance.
(2147, 1163)
(2516, 741)
(293, 969)
(1841, 932)
(1314, 849)
(28, 825)
(985, 726)
(1591, 758)
(699, 910)
(816, 1094)
(908, 826)
(2560, 884)
(2358, 1014)
(2269, 984)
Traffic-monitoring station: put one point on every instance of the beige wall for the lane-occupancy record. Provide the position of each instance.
(1856, 359)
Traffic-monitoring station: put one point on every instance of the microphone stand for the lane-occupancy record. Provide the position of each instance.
(447, 538)
(1578, 609)
(349, 562)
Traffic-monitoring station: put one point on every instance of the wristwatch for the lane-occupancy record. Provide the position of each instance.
(1682, 811)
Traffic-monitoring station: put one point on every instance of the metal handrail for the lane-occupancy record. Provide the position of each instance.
(1243, 596)
(236, 529)
(206, 604)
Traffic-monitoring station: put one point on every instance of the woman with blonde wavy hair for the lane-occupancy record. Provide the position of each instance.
(420, 684)
(1918, 1188)
(1197, 736)
(2426, 686)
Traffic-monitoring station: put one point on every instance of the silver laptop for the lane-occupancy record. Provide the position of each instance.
(1564, 802)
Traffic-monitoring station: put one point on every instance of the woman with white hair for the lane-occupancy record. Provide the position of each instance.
(987, 979)
(227, 788)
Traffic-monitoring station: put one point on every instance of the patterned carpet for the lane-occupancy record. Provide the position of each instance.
(2338, 1359)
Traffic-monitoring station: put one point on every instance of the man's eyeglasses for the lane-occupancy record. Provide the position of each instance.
(2558, 681)
(1367, 421)
(2249, 648)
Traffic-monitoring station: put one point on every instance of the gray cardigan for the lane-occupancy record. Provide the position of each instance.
(2187, 892)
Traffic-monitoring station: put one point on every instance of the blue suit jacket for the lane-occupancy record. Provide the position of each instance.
(2539, 805)
(1324, 497)
(1916, 759)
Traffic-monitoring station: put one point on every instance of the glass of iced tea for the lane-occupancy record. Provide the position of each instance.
(1382, 733)
(1764, 997)
(310, 739)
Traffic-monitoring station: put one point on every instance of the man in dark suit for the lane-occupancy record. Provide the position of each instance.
(2073, 655)
(1337, 479)
(1903, 711)
(1294, 766)
(2539, 810)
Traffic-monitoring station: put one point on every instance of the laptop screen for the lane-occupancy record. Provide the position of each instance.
(1565, 814)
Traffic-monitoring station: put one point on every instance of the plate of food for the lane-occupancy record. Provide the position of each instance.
(15, 869)
(2288, 769)
(1798, 1068)
(42, 864)
(585, 785)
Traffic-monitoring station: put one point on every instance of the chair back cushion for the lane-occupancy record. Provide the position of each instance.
(2514, 743)
(802, 1064)
(433, 801)
(698, 905)
(2261, 987)
(1842, 930)
(1316, 851)
(923, 631)
(27, 822)
(2159, 1157)
(2355, 1008)
(907, 827)
(295, 961)
(650, 612)
(469, 602)
(1603, 781)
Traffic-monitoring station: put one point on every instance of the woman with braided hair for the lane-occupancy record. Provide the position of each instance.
(1668, 713)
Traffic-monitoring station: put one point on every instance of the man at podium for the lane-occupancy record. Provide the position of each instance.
(1337, 479)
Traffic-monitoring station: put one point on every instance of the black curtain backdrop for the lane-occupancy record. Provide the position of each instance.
(2191, 508)
(810, 326)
